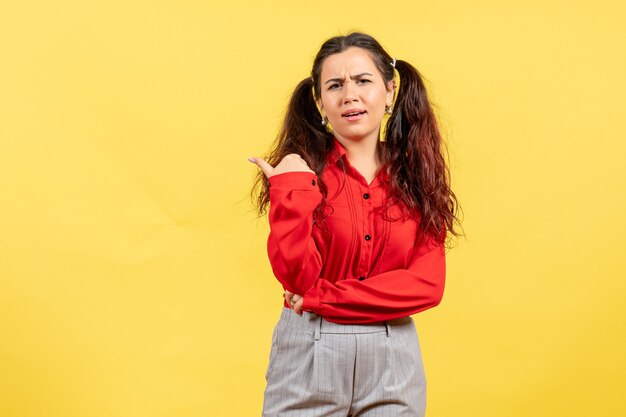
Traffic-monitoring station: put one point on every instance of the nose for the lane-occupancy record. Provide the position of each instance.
(349, 93)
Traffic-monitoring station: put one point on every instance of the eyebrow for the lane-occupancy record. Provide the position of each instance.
(353, 77)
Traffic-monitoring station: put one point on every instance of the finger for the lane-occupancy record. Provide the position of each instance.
(297, 300)
(297, 297)
(302, 161)
(297, 308)
(289, 297)
(265, 167)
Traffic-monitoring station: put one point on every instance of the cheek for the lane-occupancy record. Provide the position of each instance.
(377, 118)
(378, 99)
(331, 104)
(377, 103)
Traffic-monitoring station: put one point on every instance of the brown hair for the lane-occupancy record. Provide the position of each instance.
(412, 150)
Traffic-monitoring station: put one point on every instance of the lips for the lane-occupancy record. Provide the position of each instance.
(353, 112)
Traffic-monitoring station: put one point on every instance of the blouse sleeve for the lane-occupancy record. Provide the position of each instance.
(294, 257)
(386, 296)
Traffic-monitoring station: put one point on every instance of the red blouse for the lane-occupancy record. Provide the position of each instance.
(366, 269)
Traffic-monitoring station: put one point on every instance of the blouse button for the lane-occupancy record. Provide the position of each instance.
(312, 182)
(366, 196)
(367, 237)
(361, 278)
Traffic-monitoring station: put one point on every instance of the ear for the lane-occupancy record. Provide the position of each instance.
(391, 92)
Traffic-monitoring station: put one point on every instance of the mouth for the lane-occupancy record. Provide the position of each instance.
(353, 115)
(353, 112)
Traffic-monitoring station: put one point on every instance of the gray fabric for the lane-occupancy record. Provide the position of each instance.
(323, 369)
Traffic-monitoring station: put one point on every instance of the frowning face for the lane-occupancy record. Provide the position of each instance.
(353, 95)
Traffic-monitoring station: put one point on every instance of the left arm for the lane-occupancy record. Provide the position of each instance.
(386, 296)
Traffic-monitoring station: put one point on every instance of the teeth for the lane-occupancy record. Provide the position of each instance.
(354, 114)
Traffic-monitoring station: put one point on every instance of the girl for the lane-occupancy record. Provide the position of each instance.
(357, 233)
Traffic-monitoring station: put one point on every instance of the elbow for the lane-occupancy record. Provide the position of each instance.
(295, 280)
(440, 284)
(437, 294)
(297, 271)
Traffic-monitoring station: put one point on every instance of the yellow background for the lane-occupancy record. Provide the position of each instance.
(134, 278)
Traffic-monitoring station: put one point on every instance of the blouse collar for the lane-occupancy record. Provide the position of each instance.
(339, 152)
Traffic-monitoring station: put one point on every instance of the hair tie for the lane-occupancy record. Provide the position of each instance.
(393, 63)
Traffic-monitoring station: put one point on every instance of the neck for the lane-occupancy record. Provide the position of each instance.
(361, 150)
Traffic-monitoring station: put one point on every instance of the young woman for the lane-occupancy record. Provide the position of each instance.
(358, 227)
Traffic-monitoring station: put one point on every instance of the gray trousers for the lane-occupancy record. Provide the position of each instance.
(323, 369)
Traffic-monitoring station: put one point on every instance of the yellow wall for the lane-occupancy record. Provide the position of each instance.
(133, 275)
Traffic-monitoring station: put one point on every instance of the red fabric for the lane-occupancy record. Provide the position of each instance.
(398, 277)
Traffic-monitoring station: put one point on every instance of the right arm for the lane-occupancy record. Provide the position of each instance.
(294, 195)
(293, 254)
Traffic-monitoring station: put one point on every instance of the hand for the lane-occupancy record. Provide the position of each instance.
(290, 163)
(295, 301)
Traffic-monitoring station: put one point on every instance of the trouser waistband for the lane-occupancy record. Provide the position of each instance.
(318, 325)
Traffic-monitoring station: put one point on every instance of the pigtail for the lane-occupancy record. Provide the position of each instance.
(415, 146)
(301, 132)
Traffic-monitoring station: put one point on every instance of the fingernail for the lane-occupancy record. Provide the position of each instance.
(251, 160)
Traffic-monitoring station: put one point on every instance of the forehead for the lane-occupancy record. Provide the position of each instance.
(351, 61)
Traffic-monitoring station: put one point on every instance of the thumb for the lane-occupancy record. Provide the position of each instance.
(265, 167)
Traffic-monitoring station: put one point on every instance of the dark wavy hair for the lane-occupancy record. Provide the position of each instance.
(412, 151)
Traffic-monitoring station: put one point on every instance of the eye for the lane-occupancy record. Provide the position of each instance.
(363, 81)
(333, 86)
